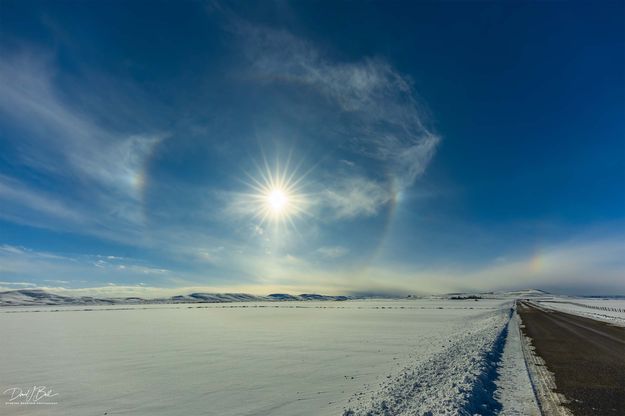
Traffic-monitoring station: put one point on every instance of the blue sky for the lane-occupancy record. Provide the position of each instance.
(373, 147)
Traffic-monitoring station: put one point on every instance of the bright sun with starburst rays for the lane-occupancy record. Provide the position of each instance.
(276, 194)
(278, 201)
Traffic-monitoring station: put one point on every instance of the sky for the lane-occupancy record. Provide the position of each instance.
(159, 148)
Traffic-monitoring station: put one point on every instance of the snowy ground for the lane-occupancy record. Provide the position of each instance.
(514, 389)
(607, 310)
(295, 358)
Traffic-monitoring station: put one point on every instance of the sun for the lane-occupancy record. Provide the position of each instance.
(278, 201)
(276, 195)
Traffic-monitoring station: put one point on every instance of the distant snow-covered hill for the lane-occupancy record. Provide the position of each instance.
(527, 293)
(524, 293)
(25, 297)
(41, 297)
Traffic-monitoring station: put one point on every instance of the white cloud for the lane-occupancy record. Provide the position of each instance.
(585, 266)
(333, 252)
(103, 167)
(23, 284)
(210, 255)
(60, 133)
(17, 251)
(42, 266)
(17, 197)
(592, 266)
(383, 118)
(355, 196)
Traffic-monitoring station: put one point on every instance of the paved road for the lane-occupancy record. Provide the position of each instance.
(586, 356)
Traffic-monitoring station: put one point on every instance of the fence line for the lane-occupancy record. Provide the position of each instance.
(599, 308)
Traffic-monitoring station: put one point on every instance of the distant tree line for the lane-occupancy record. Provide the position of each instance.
(469, 297)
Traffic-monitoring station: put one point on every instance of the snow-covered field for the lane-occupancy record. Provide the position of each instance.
(607, 310)
(295, 358)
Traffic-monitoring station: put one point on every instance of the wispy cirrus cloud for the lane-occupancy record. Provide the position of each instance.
(564, 267)
(18, 197)
(355, 196)
(382, 119)
(13, 285)
(332, 252)
(101, 165)
(113, 263)
(44, 267)
(590, 265)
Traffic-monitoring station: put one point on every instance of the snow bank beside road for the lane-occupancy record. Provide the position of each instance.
(457, 380)
(514, 388)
